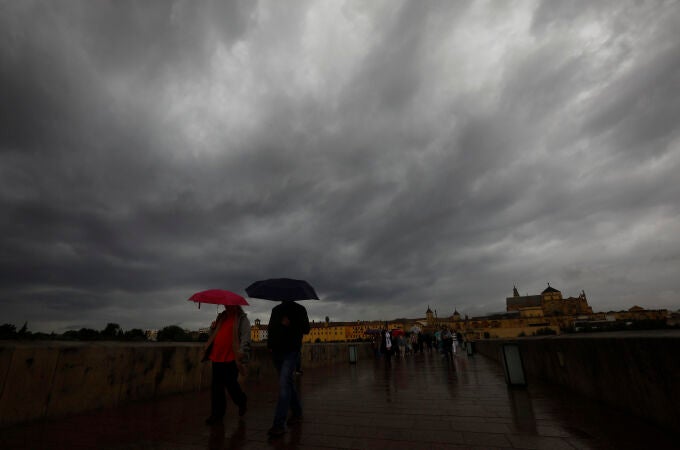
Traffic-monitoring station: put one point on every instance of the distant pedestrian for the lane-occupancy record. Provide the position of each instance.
(409, 345)
(413, 339)
(438, 340)
(376, 346)
(287, 324)
(386, 346)
(428, 342)
(228, 347)
(446, 342)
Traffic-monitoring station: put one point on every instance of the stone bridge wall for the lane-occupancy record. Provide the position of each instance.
(53, 379)
(637, 372)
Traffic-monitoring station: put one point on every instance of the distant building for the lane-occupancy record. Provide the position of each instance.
(637, 313)
(259, 332)
(550, 301)
(355, 331)
(325, 332)
(151, 335)
(528, 315)
(517, 302)
(344, 331)
(205, 330)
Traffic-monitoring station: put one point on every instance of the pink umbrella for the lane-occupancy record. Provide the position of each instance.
(217, 297)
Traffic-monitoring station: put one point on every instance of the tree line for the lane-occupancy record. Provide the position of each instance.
(112, 332)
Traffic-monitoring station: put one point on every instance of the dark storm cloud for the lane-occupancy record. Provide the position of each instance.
(392, 154)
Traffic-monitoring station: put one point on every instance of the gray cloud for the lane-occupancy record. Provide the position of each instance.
(395, 155)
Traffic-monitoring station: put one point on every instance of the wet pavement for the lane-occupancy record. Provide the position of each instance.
(422, 402)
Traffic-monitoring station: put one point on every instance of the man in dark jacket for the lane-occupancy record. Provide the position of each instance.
(287, 324)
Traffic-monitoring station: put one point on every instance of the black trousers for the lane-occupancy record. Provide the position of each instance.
(225, 376)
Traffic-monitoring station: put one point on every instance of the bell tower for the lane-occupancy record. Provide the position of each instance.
(429, 316)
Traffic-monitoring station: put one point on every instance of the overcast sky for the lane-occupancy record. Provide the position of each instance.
(394, 154)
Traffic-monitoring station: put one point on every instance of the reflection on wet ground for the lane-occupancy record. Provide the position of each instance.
(422, 401)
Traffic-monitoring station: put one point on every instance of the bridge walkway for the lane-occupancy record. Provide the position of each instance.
(421, 402)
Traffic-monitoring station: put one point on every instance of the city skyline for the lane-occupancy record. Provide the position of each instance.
(391, 153)
(445, 315)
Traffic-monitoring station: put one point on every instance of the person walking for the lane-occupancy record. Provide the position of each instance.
(413, 339)
(438, 340)
(446, 342)
(402, 346)
(376, 346)
(287, 324)
(396, 351)
(228, 347)
(298, 365)
(387, 346)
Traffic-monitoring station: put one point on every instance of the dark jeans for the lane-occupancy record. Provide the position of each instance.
(447, 347)
(388, 355)
(289, 398)
(225, 376)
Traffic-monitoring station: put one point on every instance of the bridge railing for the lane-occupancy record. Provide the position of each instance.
(637, 372)
(53, 379)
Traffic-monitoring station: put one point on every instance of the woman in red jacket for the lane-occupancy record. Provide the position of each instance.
(228, 348)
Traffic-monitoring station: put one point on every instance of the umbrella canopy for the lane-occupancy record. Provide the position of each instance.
(282, 290)
(397, 332)
(372, 331)
(217, 297)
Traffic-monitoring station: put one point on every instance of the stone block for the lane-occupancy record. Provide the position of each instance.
(637, 372)
(28, 384)
(176, 364)
(139, 379)
(87, 377)
(5, 361)
(52, 379)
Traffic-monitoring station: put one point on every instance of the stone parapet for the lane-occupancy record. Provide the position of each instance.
(637, 371)
(52, 379)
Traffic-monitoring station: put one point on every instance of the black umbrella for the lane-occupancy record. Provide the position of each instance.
(282, 289)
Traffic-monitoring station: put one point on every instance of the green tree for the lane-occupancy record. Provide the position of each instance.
(40, 336)
(112, 331)
(70, 335)
(203, 337)
(173, 333)
(88, 334)
(8, 331)
(134, 335)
